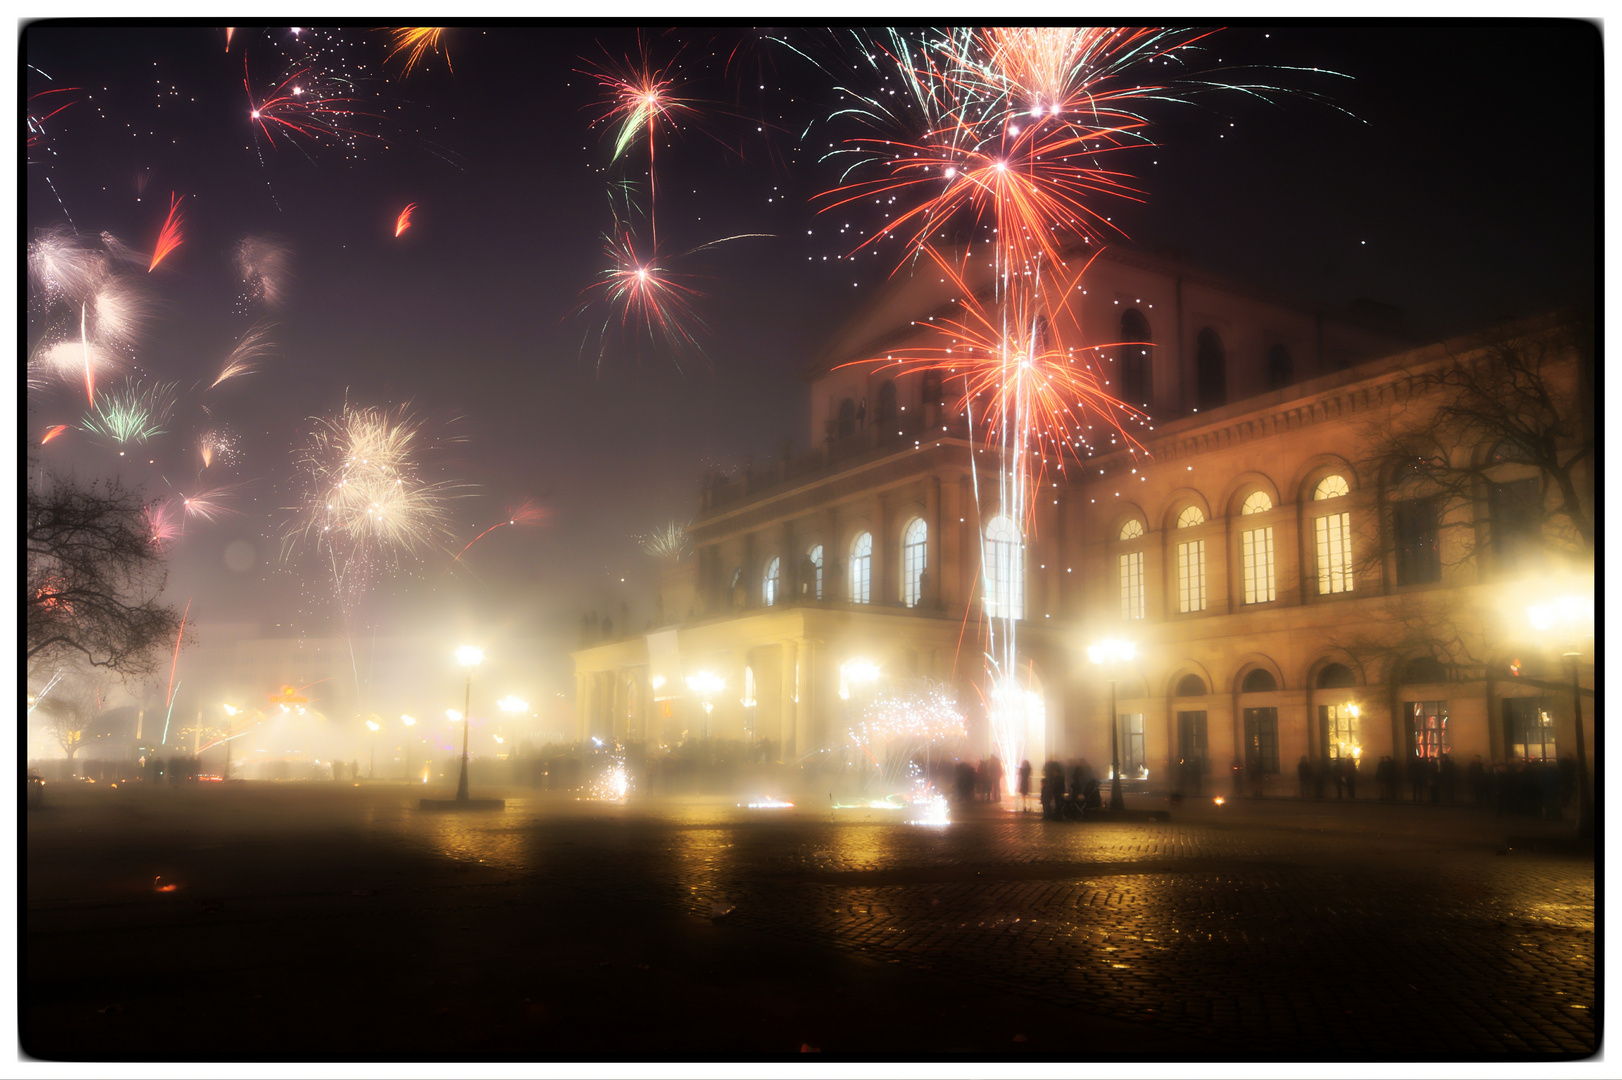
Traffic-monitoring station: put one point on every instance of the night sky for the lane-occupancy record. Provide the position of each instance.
(1450, 173)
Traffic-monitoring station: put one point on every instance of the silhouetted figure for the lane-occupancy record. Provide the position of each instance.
(996, 774)
(923, 586)
(1090, 798)
(1046, 797)
(965, 782)
(861, 415)
(1567, 767)
(1417, 777)
(1449, 776)
(1025, 785)
(1338, 770)
(1348, 767)
(1303, 773)
(1475, 776)
(808, 578)
(1238, 771)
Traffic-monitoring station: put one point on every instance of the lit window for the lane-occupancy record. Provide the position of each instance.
(1132, 529)
(861, 569)
(1005, 570)
(914, 556)
(1332, 486)
(1132, 585)
(1256, 502)
(1256, 549)
(1340, 730)
(1528, 728)
(1191, 576)
(768, 589)
(1334, 536)
(1191, 516)
(815, 584)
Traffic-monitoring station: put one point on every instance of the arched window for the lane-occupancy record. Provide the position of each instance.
(1260, 681)
(1191, 685)
(847, 418)
(1136, 360)
(886, 402)
(914, 557)
(768, 587)
(1280, 369)
(1190, 563)
(930, 392)
(1210, 371)
(861, 569)
(1332, 534)
(1256, 551)
(1335, 677)
(1131, 569)
(1005, 570)
(813, 580)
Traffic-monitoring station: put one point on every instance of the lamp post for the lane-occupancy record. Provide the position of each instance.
(1109, 652)
(706, 685)
(469, 657)
(409, 721)
(1573, 618)
(230, 715)
(371, 769)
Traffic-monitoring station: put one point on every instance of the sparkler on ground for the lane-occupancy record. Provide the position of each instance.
(169, 237)
(904, 725)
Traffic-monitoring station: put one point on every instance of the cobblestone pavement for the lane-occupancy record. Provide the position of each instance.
(1280, 930)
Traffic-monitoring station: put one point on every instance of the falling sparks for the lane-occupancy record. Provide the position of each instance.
(410, 44)
(403, 222)
(169, 237)
(264, 264)
(52, 432)
(245, 357)
(523, 513)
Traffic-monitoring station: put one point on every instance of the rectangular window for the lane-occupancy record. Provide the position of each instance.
(1426, 725)
(861, 576)
(1415, 525)
(1191, 576)
(1528, 729)
(1339, 730)
(1256, 546)
(1261, 739)
(1133, 763)
(1334, 534)
(1516, 519)
(1132, 585)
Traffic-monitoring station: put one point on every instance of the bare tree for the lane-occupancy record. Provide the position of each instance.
(93, 578)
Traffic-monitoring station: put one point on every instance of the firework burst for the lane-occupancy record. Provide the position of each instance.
(162, 522)
(367, 508)
(409, 44)
(210, 505)
(669, 541)
(309, 105)
(265, 266)
(244, 359)
(133, 413)
(64, 266)
(218, 444)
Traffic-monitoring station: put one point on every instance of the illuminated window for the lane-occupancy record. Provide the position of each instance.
(1256, 502)
(1191, 516)
(1256, 552)
(1191, 576)
(1340, 730)
(1334, 536)
(1005, 570)
(814, 586)
(1331, 487)
(1132, 529)
(1132, 585)
(1528, 728)
(1426, 726)
(914, 556)
(1133, 763)
(861, 569)
(768, 589)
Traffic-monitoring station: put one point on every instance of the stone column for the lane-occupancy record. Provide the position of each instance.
(933, 566)
(805, 685)
(788, 734)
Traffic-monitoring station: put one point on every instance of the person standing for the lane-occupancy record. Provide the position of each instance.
(1025, 786)
(1303, 772)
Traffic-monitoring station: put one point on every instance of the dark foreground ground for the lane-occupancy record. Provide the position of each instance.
(326, 923)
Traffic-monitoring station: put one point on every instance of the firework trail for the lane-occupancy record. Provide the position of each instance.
(52, 432)
(169, 237)
(208, 505)
(403, 222)
(412, 43)
(308, 105)
(244, 359)
(229, 31)
(38, 138)
(169, 697)
(523, 513)
(265, 266)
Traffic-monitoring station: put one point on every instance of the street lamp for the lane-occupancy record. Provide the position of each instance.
(706, 685)
(469, 657)
(1112, 651)
(1572, 617)
(230, 713)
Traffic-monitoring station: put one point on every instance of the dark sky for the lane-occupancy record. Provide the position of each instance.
(1460, 188)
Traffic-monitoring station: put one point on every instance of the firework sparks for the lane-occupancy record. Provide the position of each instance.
(162, 522)
(52, 432)
(367, 506)
(218, 443)
(169, 237)
(134, 413)
(264, 264)
(403, 222)
(208, 505)
(411, 43)
(669, 541)
(65, 266)
(523, 513)
(244, 359)
(229, 31)
(307, 104)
